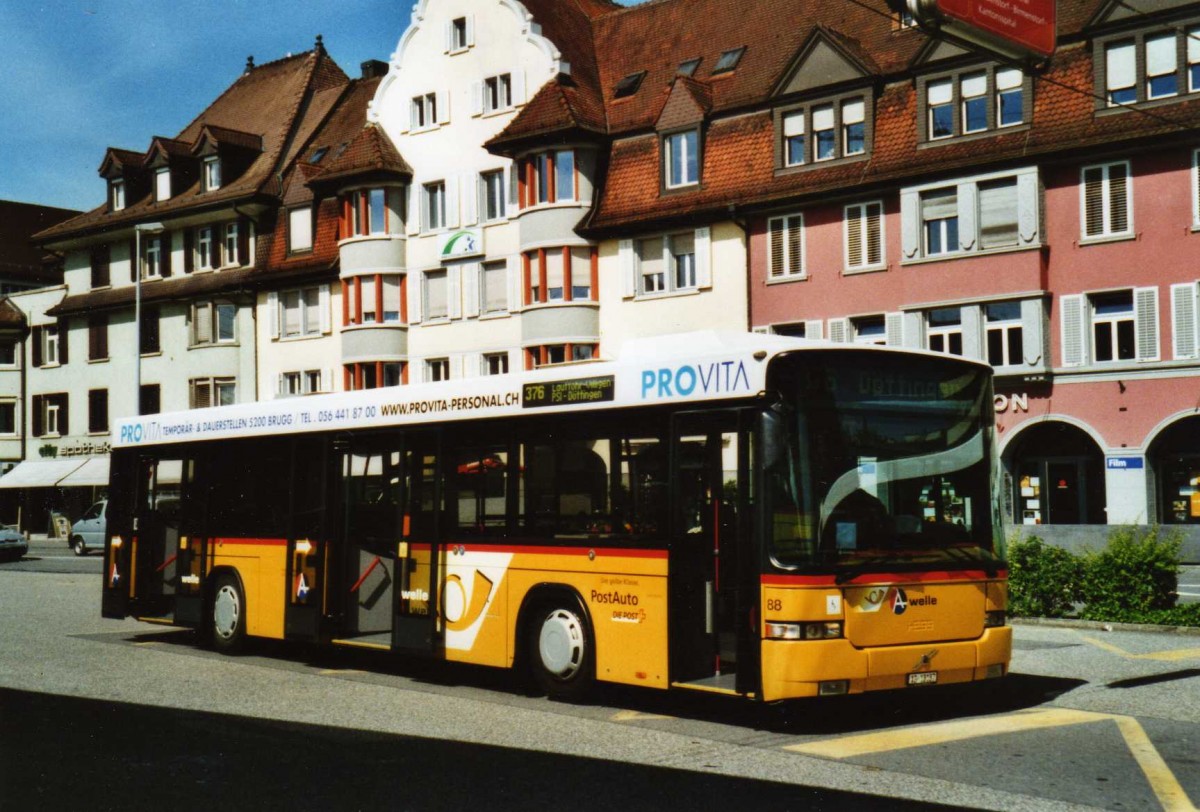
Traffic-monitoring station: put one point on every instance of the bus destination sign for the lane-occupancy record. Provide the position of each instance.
(575, 392)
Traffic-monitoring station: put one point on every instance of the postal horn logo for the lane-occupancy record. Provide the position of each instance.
(899, 601)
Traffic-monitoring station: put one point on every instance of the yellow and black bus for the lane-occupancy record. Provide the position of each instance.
(736, 513)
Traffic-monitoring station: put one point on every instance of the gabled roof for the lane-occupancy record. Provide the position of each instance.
(559, 107)
(118, 161)
(164, 149)
(223, 136)
(273, 103)
(371, 152)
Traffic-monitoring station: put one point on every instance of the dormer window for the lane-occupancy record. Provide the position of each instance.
(824, 131)
(162, 185)
(1149, 66)
(728, 60)
(117, 195)
(972, 102)
(681, 159)
(212, 174)
(629, 85)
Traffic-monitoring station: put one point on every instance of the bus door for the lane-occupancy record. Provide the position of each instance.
(712, 561)
(310, 554)
(419, 551)
(390, 490)
(155, 565)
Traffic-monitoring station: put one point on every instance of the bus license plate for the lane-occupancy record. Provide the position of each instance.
(923, 678)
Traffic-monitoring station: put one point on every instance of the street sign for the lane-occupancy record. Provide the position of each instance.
(1024, 30)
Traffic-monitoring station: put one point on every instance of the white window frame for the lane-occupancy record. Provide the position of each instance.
(433, 201)
(493, 192)
(117, 193)
(956, 101)
(229, 254)
(940, 226)
(212, 173)
(215, 386)
(1110, 323)
(863, 220)
(867, 339)
(437, 370)
(970, 215)
(944, 334)
(497, 93)
(1078, 328)
(304, 306)
(1106, 201)
(494, 363)
(204, 249)
(152, 257)
(678, 144)
(208, 313)
(500, 268)
(788, 262)
(425, 113)
(50, 339)
(1004, 327)
(50, 418)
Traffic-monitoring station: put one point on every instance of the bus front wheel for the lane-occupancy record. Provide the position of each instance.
(228, 615)
(560, 650)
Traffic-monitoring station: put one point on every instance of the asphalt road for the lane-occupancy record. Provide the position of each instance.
(121, 715)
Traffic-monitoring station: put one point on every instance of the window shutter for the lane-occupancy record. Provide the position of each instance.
(1028, 222)
(243, 241)
(35, 347)
(281, 384)
(1161, 55)
(470, 30)
(442, 100)
(449, 26)
(518, 87)
(471, 290)
(514, 283)
(1145, 305)
(470, 185)
(217, 247)
(910, 223)
(63, 341)
(1073, 350)
(413, 225)
(325, 313)
(273, 313)
(39, 415)
(1195, 161)
(454, 291)
(628, 267)
(64, 414)
(164, 264)
(1118, 194)
(133, 246)
(510, 178)
(202, 323)
(776, 260)
(839, 331)
(854, 242)
(914, 330)
(967, 206)
(814, 329)
(189, 250)
(1093, 201)
(476, 98)
(456, 367)
(416, 297)
(795, 245)
(703, 248)
(452, 196)
(1033, 323)
(972, 331)
(1183, 321)
(327, 380)
(874, 233)
(894, 329)
(472, 365)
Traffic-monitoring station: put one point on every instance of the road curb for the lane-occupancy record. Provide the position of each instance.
(1102, 626)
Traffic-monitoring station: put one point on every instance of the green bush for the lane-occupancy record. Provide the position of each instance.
(1134, 576)
(1043, 581)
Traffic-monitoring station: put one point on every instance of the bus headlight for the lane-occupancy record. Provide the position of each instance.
(804, 631)
(992, 620)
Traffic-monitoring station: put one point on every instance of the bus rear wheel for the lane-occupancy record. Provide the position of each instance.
(560, 648)
(228, 615)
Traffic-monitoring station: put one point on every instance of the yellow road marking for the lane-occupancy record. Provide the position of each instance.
(146, 643)
(868, 743)
(1162, 780)
(636, 716)
(337, 672)
(1168, 656)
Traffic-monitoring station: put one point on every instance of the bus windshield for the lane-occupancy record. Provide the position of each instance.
(881, 459)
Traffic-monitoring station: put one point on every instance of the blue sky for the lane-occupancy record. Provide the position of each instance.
(78, 76)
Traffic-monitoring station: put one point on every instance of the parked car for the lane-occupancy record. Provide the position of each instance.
(88, 533)
(12, 544)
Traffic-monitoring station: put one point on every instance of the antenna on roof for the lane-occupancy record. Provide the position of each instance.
(249, 63)
(320, 46)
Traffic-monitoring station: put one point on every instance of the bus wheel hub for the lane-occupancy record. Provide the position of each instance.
(560, 643)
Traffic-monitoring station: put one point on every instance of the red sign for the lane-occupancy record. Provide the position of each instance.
(1023, 25)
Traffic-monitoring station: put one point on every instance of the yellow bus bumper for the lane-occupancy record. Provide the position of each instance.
(794, 669)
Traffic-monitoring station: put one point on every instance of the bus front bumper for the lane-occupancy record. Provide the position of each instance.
(804, 668)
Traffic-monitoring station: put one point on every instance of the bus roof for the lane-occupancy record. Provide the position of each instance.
(708, 365)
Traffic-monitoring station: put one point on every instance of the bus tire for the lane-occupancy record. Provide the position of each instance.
(78, 546)
(561, 654)
(227, 615)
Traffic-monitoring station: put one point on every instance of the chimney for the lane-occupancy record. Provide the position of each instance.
(249, 64)
(374, 68)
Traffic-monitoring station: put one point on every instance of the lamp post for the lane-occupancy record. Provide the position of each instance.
(136, 259)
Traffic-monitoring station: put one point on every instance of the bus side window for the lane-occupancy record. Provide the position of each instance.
(480, 483)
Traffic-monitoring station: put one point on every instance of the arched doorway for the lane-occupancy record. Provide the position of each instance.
(1057, 476)
(1175, 460)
